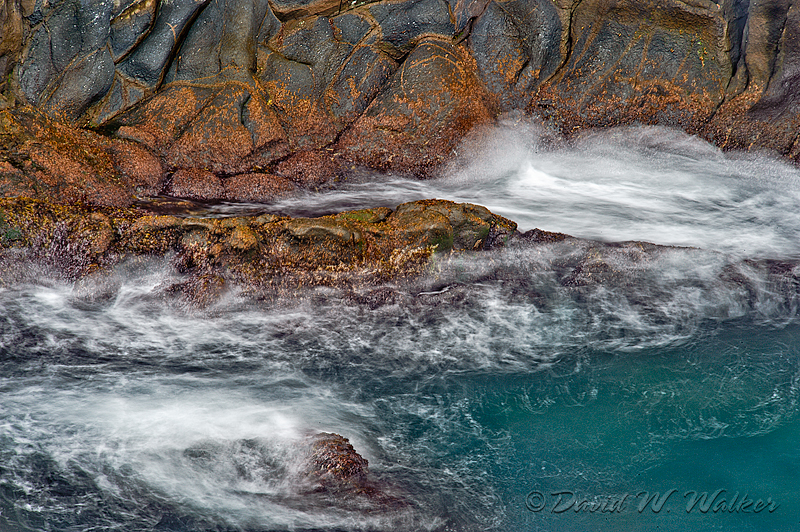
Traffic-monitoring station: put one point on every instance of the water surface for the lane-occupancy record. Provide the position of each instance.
(488, 395)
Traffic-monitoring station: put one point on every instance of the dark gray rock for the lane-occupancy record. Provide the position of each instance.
(403, 23)
(147, 63)
(140, 72)
(129, 26)
(352, 27)
(36, 70)
(781, 97)
(762, 107)
(735, 12)
(464, 13)
(314, 43)
(765, 23)
(642, 61)
(125, 6)
(292, 87)
(65, 46)
(269, 26)
(360, 80)
(516, 47)
(313, 72)
(766, 113)
(37, 11)
(318, 81)
(123, 94)
(87, 80)
(296, 77)
(223, 36)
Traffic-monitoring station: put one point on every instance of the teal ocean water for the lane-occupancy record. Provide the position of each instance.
(492, 394)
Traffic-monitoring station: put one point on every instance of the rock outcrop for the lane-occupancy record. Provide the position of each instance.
(332, 465)
(223, 94)
(43, 158)
(264, 255)
(320, 468)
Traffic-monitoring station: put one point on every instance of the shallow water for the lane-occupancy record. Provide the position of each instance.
(486, 395)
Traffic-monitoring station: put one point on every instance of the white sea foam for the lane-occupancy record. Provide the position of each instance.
(637, 183)
(492, 370)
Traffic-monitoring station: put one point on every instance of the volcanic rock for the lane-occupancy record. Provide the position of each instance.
(415, 124)
(260, 254)
(333, 466)
(298, 92)
(43, 158)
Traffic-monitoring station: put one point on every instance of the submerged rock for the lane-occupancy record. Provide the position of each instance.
(333, 464)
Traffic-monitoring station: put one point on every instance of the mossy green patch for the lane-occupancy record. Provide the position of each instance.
(369, 216)
(7, 232)
(443, 242)
(12, 234)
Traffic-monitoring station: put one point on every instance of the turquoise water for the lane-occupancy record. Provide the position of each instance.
(694, 420)
(495, 393)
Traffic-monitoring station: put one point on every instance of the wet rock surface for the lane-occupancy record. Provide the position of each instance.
(263, 255)
(247, 89)
(333, 466)
(412, 255)
(44, 158)
(429, 105)
(322, 468)
(104, 103)
(650, 62)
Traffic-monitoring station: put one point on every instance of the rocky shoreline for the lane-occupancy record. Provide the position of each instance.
(105, 103)
(247, 100)
(264, 255)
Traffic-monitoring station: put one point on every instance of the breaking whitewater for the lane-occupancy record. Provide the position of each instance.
(605, 380)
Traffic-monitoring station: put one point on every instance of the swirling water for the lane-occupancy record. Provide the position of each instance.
(488, 395)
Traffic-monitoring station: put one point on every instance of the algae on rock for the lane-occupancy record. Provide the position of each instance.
(254, 253)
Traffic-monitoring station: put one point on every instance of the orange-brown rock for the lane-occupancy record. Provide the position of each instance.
(308, 168)
(257, 187)
(414, 125)
(43, 158)
(261, 254)
(225, 125)
(333, 466)
(195, 183)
